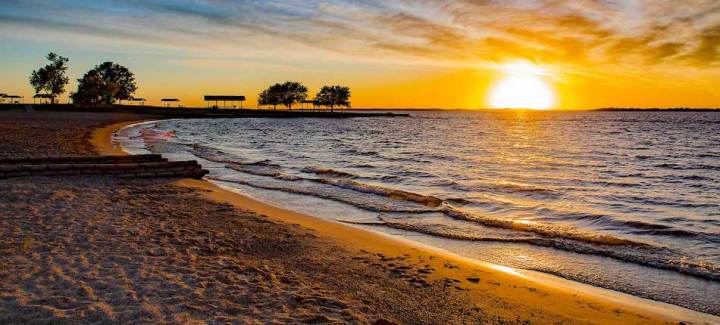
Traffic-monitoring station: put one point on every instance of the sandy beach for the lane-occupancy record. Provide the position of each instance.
(89, 249)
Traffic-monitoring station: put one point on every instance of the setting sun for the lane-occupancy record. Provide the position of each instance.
(522, 86)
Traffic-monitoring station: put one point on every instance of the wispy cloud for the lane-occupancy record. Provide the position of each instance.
(641, 32)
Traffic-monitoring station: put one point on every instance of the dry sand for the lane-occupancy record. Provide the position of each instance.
(99, 249)
(50, 134)
(103, 250)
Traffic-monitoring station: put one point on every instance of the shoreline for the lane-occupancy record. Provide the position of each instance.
(529, 292)
(202, 112)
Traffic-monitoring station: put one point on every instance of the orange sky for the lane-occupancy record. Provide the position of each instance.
(396, 54)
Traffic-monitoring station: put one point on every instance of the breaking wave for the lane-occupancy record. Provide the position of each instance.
(535, 233)
(628, 251)
(328, 172)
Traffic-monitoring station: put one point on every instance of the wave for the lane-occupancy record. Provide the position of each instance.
(156, 134)
(339, 178)
(648, 255)
(328, 172)
(666, 202)
(357, 152)
(512, 188)
(209, 153)
(635, 227)
(334, 196)
(429, 201)
(459, 201)
(346, 181)
(218, 156)
(546, 230)
(545, 235)
(605, 183)
(526, 188)
(333, 173)
(708, 155)
(445, 207)
(363, 166)
(687, 167)
(267, 172)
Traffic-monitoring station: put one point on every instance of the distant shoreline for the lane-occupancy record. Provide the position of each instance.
(299, 112)
(602, 109)
(198, 112)
(673, 109)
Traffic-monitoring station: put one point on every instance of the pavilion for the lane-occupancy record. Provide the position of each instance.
(139, 101)
(227, 101)
(14, 99)
(44, 98)
(167, 101)
(305, 104)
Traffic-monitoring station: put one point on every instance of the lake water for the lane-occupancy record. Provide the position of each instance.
(623, 200)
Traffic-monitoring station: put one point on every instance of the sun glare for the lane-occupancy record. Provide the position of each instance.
(522, 86)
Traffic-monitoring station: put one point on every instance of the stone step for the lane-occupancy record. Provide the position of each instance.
(127, 169)
(100, 167)
(83, 159)
(195, 173)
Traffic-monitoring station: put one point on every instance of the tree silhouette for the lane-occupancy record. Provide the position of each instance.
(287, 93)
(105, 84)
(333, 96)
(292, 92)
(51, 78)
(270, 96)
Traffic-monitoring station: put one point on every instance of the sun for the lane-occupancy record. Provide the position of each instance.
(522, 86)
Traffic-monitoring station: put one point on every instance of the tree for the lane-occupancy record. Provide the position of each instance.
(270, 96)
(292, 92)
(333, 96)
(287, 93)
(51, 78)
(105, 84)
(89, 89)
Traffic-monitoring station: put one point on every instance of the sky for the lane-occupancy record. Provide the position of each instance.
(392, 54)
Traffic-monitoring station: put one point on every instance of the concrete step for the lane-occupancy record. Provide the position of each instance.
(139, 166)
(83, 159)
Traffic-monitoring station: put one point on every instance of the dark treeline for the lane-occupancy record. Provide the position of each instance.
(108, 83)
(292, 92)
(287, 93)
(105, 84)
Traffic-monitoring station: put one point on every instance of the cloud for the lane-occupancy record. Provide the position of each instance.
(643, 32)
(53, 25)
(707, 49)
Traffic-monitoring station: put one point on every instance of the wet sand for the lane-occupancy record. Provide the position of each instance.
(99, 249)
